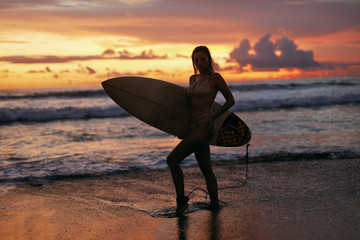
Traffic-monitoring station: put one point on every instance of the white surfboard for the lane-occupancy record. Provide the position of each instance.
(165, 106)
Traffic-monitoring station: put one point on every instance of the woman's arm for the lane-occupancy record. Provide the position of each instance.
(224, 89)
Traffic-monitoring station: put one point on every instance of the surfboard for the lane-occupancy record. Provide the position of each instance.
(165, 106)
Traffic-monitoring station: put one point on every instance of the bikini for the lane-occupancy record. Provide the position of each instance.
(202, 90)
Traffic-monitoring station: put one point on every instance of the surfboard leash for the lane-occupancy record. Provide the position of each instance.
(229, 187)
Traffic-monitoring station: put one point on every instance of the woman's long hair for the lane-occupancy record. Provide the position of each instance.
(205, 50)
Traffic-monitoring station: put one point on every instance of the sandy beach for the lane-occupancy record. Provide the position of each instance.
(99, 173)
(281, 200)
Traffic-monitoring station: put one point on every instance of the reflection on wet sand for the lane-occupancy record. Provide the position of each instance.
(182, 227)
(212, 228)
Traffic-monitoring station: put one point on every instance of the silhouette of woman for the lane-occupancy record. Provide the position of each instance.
(203, 87)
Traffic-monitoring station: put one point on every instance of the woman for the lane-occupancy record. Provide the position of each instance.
(203, 87)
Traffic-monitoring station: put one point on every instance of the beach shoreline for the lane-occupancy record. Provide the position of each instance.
(315, 199)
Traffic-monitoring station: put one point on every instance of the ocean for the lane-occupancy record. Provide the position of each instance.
(60, 133)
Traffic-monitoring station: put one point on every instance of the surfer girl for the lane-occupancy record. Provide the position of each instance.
(203, 87)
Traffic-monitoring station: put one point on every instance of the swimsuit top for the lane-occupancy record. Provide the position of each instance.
(202, 89)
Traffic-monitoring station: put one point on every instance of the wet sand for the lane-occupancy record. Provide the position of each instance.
(316, 199)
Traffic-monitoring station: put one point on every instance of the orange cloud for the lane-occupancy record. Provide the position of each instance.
(107, 54)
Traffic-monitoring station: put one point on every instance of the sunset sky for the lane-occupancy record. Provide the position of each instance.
(68, 43)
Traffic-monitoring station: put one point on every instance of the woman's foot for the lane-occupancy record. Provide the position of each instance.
(182, 205)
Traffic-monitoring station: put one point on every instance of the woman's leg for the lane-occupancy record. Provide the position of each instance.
(187, 146)
(180, 152)
(203, 158)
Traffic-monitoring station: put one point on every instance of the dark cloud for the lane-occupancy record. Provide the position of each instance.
(181, 55)
(337, 65)
(4, 73)
(47, 70)
(107, 54)
(39, 3)
(13, 41)
(85, 70)
(143, 55)
(125, 54)
(265, 57)
(46, 59)
(36, 71)
(110, 73)
(293, 57)
(174, 20)
(90, 70)
(80, 69)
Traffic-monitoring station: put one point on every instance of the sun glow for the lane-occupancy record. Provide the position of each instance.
(81, 43)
